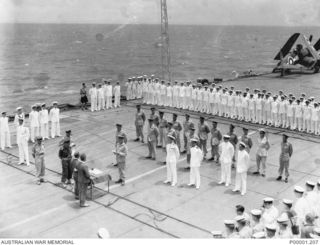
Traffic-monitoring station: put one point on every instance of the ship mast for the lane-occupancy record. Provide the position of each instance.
(165, 45)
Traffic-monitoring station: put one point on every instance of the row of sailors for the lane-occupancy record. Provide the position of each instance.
(101, 96)
(259, 107)
(297, 219)
(39, 119)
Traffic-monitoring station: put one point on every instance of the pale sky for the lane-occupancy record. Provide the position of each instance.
(199, 12)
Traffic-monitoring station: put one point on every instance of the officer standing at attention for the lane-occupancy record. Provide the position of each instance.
(172, 158)
(44, 122)
(285, 155)
(65, 156)
(186, 125)
(153, 133)
(195, 163)
(243, 164)
(23, 136)
(226, 151)
(55, 120)
(203, 136)
(262, 153)
(4, 131)
(38, 155)
(162, 130)
(121, 155)
(139, 123)
(75, 166)
(245, 138)
(93, 97)
(84, 180)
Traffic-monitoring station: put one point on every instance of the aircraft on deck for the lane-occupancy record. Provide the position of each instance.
(304, 58)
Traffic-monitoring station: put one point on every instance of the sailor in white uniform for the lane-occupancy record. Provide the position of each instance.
(251, 103)
(298, 109)
(44, 122)
(242, 166)
(301, 205)
(267, 109)
(128, 89)
(54, 117)
(175, 93)
(306, 117)
(195, 163)
(315, 119)
(270, 212)
(163, 94)
(274, 112)
(311, 196)
(226, 151)
(109, 95)
(23, 136)
(4, 131)
(244, 115)
(224, 101)
(93, 97)
(173, 154)
(258, 108)
(117, 94)
(100, 98)
(34, 123)
(290, 115)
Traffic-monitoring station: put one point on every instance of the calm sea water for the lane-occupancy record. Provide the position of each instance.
(46, 62)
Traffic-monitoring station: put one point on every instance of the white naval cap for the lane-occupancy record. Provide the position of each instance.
(216, 233)
(229, 222)
(287, 201)
(268, 199)
(259, 235)
(310, 183)
(256, 212)
(55, 102)
(298, 189)
(103, 233)
(317, 230)
(271, 227)
(240, 218)
(194, 139)
(226, 136)
(19, 108)
(318, 182)
(283, 218)
(243, 144)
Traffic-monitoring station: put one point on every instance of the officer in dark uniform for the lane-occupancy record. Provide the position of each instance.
(84, 180)
(65, 156)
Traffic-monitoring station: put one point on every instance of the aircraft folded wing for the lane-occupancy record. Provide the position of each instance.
(287, 47)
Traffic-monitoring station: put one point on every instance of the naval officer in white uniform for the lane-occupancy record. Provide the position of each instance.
(226, 151)
(44, 122)
(4, 131)
(55, 120)
(23, 136)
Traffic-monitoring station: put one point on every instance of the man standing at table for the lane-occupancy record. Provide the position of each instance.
(84, 180)
(121, 155)
(65, 156)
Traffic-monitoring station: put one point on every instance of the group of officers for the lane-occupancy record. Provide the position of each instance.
(39, 119)
(258, 106)
(228, 150)
(294, 219)
(101, 95)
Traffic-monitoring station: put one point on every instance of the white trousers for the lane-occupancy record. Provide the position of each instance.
(44, 130)
(101, 104)
(55, 129)
(298, 123)
(117, 101)
(23, 151)
(195, 176)
(274, 119)
(226, 172)
(241, 182)
(5, 140)
(34, 132)
(172, 172)
(108, 102)
(94, 103)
